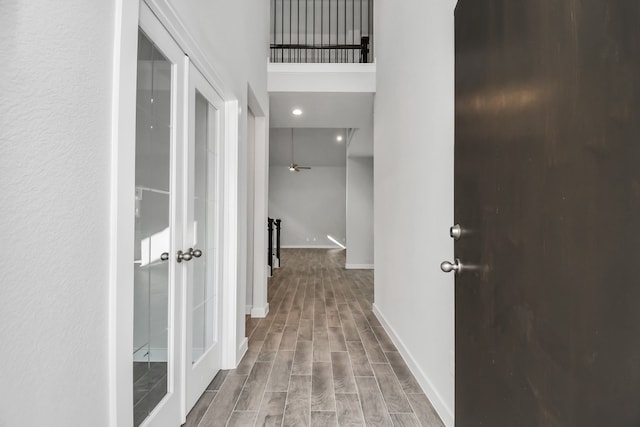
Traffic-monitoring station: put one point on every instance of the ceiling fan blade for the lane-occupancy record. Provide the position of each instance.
(293, 166)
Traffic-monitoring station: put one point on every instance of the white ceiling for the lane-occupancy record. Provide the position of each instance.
(312, 147)
(320, 109)
(325, 115)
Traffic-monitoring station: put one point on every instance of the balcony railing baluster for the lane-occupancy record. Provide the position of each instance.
(326, 40)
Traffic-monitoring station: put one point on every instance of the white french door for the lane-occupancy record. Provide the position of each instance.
(203, 233)
(177, 244)
(158, 278)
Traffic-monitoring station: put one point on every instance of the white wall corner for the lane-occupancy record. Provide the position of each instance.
(437, 400)
(260, 312)
(358, 266)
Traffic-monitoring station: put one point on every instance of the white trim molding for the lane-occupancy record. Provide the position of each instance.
(358, 266)
(182, 35)
(445, 412)
(260, 205)
(230, 269)
(260, 312)
(121, 216)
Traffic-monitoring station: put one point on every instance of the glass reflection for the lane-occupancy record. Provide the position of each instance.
(152, 229)
(203, 280)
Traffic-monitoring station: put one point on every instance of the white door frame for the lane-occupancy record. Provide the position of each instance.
(123, 136)
(169, 410)
(260, 306)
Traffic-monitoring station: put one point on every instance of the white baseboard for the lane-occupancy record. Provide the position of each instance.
(247, 309)
(260, 312)
(358, 266)
(244, 346)
(310, 247)
(434, 396)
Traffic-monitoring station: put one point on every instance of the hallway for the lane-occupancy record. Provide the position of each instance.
(319, 358)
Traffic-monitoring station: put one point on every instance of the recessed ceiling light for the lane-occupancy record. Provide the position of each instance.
(297, 112)
(339, 138)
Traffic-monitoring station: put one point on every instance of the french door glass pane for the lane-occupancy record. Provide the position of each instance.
(152, 228)
(203, 281)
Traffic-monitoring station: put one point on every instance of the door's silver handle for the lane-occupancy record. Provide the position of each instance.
(197, 253)
(164, 256)
(447, 267)
(183, 256)
(455, 231)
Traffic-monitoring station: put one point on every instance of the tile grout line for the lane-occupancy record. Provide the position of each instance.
(353, 373)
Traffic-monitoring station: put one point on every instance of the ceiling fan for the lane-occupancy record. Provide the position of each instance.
(293, 166)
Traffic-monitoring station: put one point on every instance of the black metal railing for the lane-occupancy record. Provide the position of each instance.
(273, 262)
(321, 31)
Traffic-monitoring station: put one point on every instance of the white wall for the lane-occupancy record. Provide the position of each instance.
(55, 114)
(359, 212)
(55, 151)
(311, 204)
(414, 136)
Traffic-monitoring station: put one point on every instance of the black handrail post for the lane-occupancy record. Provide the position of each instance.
(270, 248)
(364, 49)
(278, 223)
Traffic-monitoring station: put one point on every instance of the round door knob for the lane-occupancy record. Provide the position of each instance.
(195, 252)
(183, 256)
(448, 267)
(164, 256)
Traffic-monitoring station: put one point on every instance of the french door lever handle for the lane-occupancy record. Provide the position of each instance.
(448, 267)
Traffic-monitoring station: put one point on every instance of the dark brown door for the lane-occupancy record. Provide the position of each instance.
(547, 192)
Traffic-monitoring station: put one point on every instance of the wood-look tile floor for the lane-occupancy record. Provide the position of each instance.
(319, 358)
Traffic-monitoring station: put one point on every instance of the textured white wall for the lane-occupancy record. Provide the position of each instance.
(55, 114)
(359, 212)
(413, 145)
(311, 204)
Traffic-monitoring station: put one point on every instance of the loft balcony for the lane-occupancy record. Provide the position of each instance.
(321, 31)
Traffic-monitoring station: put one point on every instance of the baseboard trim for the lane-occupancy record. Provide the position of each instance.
(247, 309)
(358, 266)
(434, 396)
(311, 247)
(244, 346)
(260, 312)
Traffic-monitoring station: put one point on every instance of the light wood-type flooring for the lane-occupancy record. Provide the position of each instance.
(319, 358)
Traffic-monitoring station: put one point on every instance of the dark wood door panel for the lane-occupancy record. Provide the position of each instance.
(548, 192)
